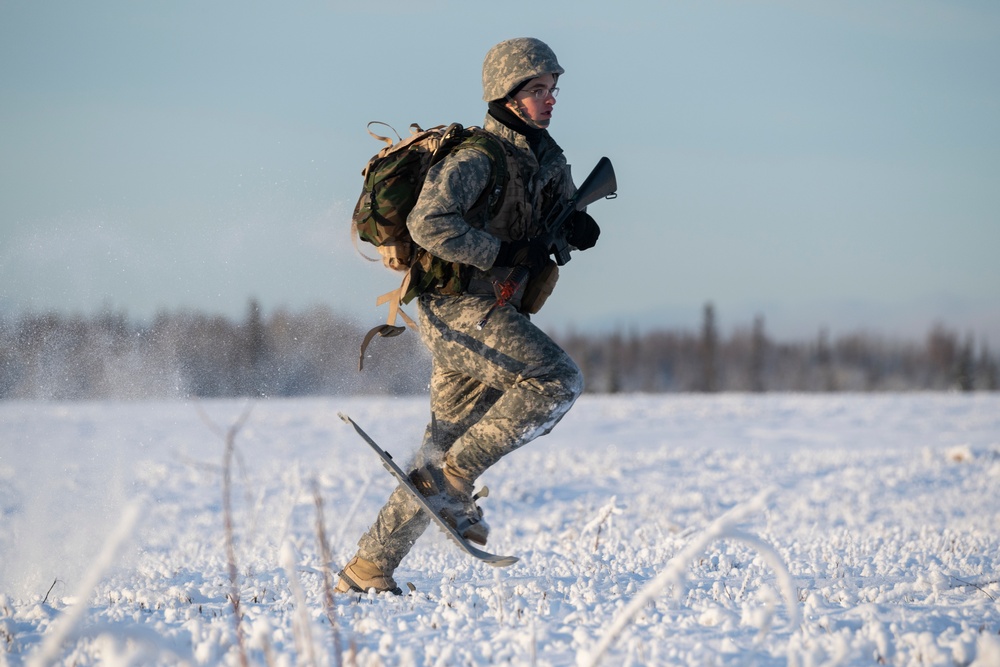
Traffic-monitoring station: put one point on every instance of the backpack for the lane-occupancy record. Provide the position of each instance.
(393, 179)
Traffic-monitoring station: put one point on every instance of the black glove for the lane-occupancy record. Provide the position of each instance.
(530, 254)
(582, 230)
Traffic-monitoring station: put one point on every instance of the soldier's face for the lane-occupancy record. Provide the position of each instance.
(535, 100)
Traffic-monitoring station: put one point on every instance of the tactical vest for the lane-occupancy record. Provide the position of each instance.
(511, 221)
(521, 217)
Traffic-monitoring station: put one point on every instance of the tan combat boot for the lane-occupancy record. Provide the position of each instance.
(450, 493)
(460, 509)
(360, 575)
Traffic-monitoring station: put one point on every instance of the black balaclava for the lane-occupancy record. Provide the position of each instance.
(498, 109)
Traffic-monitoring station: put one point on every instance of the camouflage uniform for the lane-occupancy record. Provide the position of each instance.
(496, 389)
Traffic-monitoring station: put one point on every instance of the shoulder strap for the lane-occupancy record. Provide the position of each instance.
(490, 146)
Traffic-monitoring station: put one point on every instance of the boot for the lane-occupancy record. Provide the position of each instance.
(360, 575)
(451, 493)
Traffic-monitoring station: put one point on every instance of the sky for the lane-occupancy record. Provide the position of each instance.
(825, 165)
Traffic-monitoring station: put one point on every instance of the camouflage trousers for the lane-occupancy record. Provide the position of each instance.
(492, 391)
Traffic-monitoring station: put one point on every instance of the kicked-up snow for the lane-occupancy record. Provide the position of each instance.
(668, 529)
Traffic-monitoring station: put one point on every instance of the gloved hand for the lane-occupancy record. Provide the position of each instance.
(531, 254)
(582, 230)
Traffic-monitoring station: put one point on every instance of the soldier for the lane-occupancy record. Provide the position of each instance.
(493, 389)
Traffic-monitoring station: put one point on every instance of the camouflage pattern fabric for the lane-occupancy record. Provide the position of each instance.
(514, 61)
(494, 390)
(437, 221)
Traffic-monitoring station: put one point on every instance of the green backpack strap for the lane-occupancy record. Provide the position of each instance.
(490, 146)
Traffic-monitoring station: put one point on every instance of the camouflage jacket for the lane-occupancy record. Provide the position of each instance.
(438, 223)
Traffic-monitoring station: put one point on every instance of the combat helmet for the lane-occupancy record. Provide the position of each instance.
(514, 61)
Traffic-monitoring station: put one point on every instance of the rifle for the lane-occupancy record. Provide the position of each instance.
(599, 184)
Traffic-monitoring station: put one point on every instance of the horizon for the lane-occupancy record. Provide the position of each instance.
(726, 327)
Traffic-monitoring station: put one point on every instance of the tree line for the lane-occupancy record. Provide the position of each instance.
(315, 352)
(191, 354)
(749, 360)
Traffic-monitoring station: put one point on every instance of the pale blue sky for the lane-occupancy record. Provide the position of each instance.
(824, 164)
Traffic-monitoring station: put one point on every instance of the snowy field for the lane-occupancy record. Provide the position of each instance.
(732, 530)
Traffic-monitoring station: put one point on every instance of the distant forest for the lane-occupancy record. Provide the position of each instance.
(315, 352)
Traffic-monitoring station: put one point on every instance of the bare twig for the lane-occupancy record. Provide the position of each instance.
(603, 516)
(976, 586)
(227, 515)
(67, 623)
(234, 586)
(303, 633)
(46, 598)
(324, 553)
(673, 574)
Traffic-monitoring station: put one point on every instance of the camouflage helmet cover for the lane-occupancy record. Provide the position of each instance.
(513, 62)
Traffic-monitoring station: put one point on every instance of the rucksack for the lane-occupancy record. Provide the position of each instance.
(393, 179)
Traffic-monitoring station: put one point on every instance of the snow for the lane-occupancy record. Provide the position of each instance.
(668, 529)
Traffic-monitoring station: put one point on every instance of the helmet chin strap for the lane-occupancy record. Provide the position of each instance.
(516, 109)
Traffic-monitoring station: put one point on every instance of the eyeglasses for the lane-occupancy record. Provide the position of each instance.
(542, 93)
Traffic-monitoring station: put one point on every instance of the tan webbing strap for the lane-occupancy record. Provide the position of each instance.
(396, 305)
(387, 140)
(384, 330)
(389, 329)
(393, 299)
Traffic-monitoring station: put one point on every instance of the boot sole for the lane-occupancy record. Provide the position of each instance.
(356, 588)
